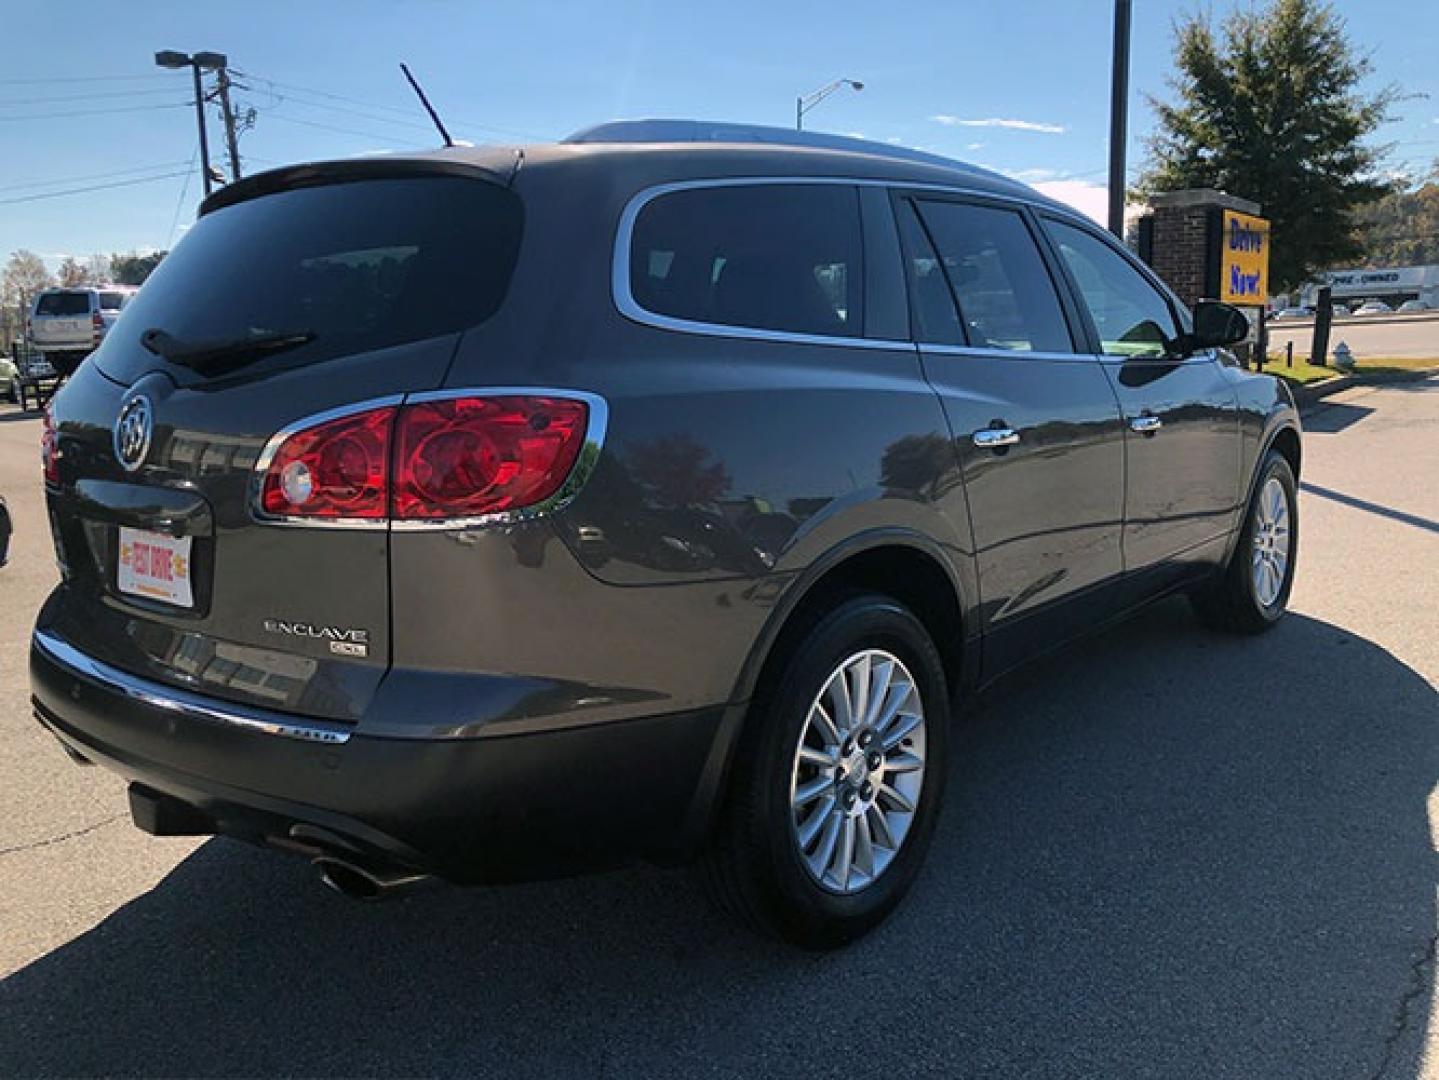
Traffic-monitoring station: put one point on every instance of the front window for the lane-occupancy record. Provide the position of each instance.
(1132, 317)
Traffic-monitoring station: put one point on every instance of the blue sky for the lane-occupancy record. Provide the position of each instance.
(1023, 85)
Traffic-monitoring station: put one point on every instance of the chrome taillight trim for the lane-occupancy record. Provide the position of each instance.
(596, 425)
(272, 447)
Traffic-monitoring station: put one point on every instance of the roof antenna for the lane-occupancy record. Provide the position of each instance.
(428, 107)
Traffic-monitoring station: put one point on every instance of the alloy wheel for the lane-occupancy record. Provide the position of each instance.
(858, 771)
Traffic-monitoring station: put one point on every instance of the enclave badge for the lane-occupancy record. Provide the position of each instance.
(344, 641)
(133, 430)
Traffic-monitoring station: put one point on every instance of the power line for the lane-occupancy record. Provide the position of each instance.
(90, 176)
(92, 187)
(455, 122)
(344, 131)
(96, 112)
(80, 79)
(180, 202)
(107, 95)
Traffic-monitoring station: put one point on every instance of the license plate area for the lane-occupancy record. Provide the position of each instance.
(155, 567)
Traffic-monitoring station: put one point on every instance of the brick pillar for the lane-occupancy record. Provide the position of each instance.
(1179, 238)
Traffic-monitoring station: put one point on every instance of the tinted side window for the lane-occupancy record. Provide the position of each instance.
(770, 257)
(1131, 315)
(935, 320)
(1006, 297)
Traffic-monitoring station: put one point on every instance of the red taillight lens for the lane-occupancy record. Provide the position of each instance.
(471, 456)
(49, 450)
(337, 469)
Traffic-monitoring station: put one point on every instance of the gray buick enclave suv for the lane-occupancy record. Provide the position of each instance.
(493, 513)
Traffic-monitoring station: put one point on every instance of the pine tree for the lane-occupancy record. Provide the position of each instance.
(1274, 112)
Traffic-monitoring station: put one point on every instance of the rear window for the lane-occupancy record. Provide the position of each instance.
(113, 301)
(63, 303)
(361, 265)
(768, 257)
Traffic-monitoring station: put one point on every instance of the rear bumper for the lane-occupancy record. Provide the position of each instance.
(469, 809)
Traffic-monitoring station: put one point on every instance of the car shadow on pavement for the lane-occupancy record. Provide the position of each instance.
(1330, 418)
(1164, 853)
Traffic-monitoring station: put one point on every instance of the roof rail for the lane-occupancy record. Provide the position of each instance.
(682, 131)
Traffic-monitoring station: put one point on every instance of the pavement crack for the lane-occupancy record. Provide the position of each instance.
(1418, 980)
(62, 837)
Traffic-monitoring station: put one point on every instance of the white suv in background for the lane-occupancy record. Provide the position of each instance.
(67, 324)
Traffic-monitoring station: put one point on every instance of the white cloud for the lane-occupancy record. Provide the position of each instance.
(974, 146)
(1089, 199)
(1031, 176)
(996, 122)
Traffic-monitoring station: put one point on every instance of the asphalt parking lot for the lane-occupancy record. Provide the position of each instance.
(1165, 853)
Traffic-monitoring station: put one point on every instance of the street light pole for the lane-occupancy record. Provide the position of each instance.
(805, 102)
(200, 118)
(1118, 116)
(173, 60)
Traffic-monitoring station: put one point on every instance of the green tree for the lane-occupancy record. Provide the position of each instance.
(134, 268)
(1271, 109)
(1402, 229)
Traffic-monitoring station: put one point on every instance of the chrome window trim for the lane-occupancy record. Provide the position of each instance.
(191, 706)
(596, 425)
(631, 308)
(982, 353)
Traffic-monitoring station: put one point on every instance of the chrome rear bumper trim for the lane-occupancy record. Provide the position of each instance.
(191, 706)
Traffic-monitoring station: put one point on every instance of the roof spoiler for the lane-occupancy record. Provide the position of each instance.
(315, 174)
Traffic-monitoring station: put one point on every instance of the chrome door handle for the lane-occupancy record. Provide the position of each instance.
(992, 438)
(1146, 425)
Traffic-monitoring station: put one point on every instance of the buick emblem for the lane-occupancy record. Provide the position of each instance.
(133, 429)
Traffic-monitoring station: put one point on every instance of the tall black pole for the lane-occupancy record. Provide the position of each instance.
(1118, 117)
(200, 116)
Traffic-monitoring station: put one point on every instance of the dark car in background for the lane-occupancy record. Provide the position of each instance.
(491, 513)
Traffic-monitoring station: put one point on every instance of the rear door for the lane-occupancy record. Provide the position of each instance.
(169, 571)
(1035, 423)
(1180, 412)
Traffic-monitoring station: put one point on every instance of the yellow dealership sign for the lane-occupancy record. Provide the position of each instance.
(1244, 259)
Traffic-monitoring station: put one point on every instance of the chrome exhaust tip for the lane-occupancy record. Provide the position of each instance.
(367, 884)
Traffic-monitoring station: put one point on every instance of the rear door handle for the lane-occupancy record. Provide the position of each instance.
(992, 438)
(1146, 425)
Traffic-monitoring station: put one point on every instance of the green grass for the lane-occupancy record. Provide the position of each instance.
(1304, 372)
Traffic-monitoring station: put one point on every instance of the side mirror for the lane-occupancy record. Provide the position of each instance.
(1217, 324)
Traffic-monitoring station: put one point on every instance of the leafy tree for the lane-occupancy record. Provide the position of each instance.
(1270, 109)
(25, 275)
(134, 268)
(71, 272)
(97, 268)
(1402, 229)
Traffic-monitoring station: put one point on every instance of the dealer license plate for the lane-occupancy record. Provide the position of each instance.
(155, 566)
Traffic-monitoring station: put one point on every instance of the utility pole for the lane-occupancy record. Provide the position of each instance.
(210, 61)
(232, 141)
(1118, 116)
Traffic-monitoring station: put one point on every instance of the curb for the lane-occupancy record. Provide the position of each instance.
(1311, 394)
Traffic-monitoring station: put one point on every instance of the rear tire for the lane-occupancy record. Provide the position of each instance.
(1252, 593)
(794, 785)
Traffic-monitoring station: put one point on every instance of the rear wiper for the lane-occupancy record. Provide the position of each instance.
(211, 357)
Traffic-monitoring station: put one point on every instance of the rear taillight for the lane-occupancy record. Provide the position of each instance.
(471, 456)
(49, 450)
(97, 323)
(336, 469)
(428, 461)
